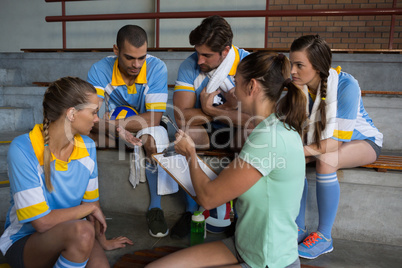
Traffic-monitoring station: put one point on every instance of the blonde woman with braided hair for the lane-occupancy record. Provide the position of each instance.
(339, 134)
(54, 185)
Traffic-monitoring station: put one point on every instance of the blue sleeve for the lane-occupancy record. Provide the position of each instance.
(26, 182)
(157, 95)
(347, 107)
(99, 76)
(186, 75)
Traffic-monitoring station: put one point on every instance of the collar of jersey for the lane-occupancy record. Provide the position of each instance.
(38, 144)
(117, 79)
(236, 61)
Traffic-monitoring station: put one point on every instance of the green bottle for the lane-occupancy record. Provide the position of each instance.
(197, 228)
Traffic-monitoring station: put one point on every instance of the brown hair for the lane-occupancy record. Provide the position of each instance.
(320, 56)
(272, 71)
(215, 32)
(62, 94)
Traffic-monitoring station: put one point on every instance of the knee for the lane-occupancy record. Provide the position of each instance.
(327, 163)
(82, 235)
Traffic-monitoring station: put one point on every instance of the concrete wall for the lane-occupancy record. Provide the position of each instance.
(23, 25)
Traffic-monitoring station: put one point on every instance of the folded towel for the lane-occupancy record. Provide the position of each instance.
(166, 185)
(331, 107)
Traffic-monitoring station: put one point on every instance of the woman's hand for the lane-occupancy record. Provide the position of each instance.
(184, 144)
(115, 243)
(128, 137)
(97, 215)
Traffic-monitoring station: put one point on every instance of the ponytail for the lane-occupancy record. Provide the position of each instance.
(291, 109)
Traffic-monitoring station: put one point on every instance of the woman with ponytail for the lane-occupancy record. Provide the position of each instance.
(339, 134)
(54, 185)
(266, 177)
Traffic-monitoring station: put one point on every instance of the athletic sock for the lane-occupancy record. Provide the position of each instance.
(151, 172)
(300, 220)
(191, 205)
(328, 193)
(64, 263)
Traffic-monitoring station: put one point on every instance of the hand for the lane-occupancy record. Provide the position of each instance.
(115, 243)
(207, 100)
(97, 215)
(184, 145)
(231, 100)
(128, 137)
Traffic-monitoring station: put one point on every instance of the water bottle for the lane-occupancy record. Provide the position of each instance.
(197, 228)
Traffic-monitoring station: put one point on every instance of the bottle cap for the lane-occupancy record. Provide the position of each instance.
(197, 216)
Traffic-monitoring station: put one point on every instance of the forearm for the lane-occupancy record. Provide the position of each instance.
(326, 146)
(229, 116)
(141, 121)
(58, 216)
(191, 117)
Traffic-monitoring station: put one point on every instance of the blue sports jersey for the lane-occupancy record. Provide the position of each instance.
(191, 79)
(353, 122)
(149, 92)
(74, 182)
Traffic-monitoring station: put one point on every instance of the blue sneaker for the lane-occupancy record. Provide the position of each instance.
(315, 245)
(301, 235)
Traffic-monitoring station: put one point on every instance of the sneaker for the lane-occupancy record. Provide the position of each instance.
(315, 245)
(182, 227)
(301, 235)
(156, 223)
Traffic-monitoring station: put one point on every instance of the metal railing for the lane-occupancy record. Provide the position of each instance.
(158, 15)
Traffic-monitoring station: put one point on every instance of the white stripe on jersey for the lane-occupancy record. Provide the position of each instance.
(29, 197)
(88, 163)
(157, 97)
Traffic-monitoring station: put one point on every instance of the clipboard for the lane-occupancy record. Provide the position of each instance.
(177, 167)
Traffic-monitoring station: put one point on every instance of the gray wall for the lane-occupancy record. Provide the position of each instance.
(23, 25)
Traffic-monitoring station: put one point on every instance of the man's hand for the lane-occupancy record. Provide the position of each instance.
(128, 137)
(207, 100)
(231, 100)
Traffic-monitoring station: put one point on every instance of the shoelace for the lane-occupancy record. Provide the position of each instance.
(311, 239)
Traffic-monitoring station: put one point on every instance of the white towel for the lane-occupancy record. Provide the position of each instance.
(331, 107)
(218, 78)
(166, 185)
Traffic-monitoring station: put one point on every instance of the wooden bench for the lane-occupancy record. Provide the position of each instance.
(140, 258)
(385, 162)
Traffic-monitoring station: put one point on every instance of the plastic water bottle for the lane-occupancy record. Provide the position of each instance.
(197, 228)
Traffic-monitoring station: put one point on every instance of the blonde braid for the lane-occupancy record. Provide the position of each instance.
(47, 155)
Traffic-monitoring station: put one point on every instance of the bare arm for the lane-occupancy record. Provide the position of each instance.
(58, 216)
(185, 114)
(233, 181)
(226, 113)
(327, 146)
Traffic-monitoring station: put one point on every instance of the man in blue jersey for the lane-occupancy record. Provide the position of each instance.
(204, 101)
(136, 79)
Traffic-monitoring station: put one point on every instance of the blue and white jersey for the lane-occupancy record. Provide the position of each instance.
(191, 79)
(149, 92)
(352, 120)
(74, 182)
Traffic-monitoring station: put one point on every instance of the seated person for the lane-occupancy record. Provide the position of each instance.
(267, 177)
(136, 79)
(204, 82)
(344, 136)
(54, 185)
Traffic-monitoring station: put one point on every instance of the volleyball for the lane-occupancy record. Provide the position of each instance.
(122, 112)
(217, 219)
